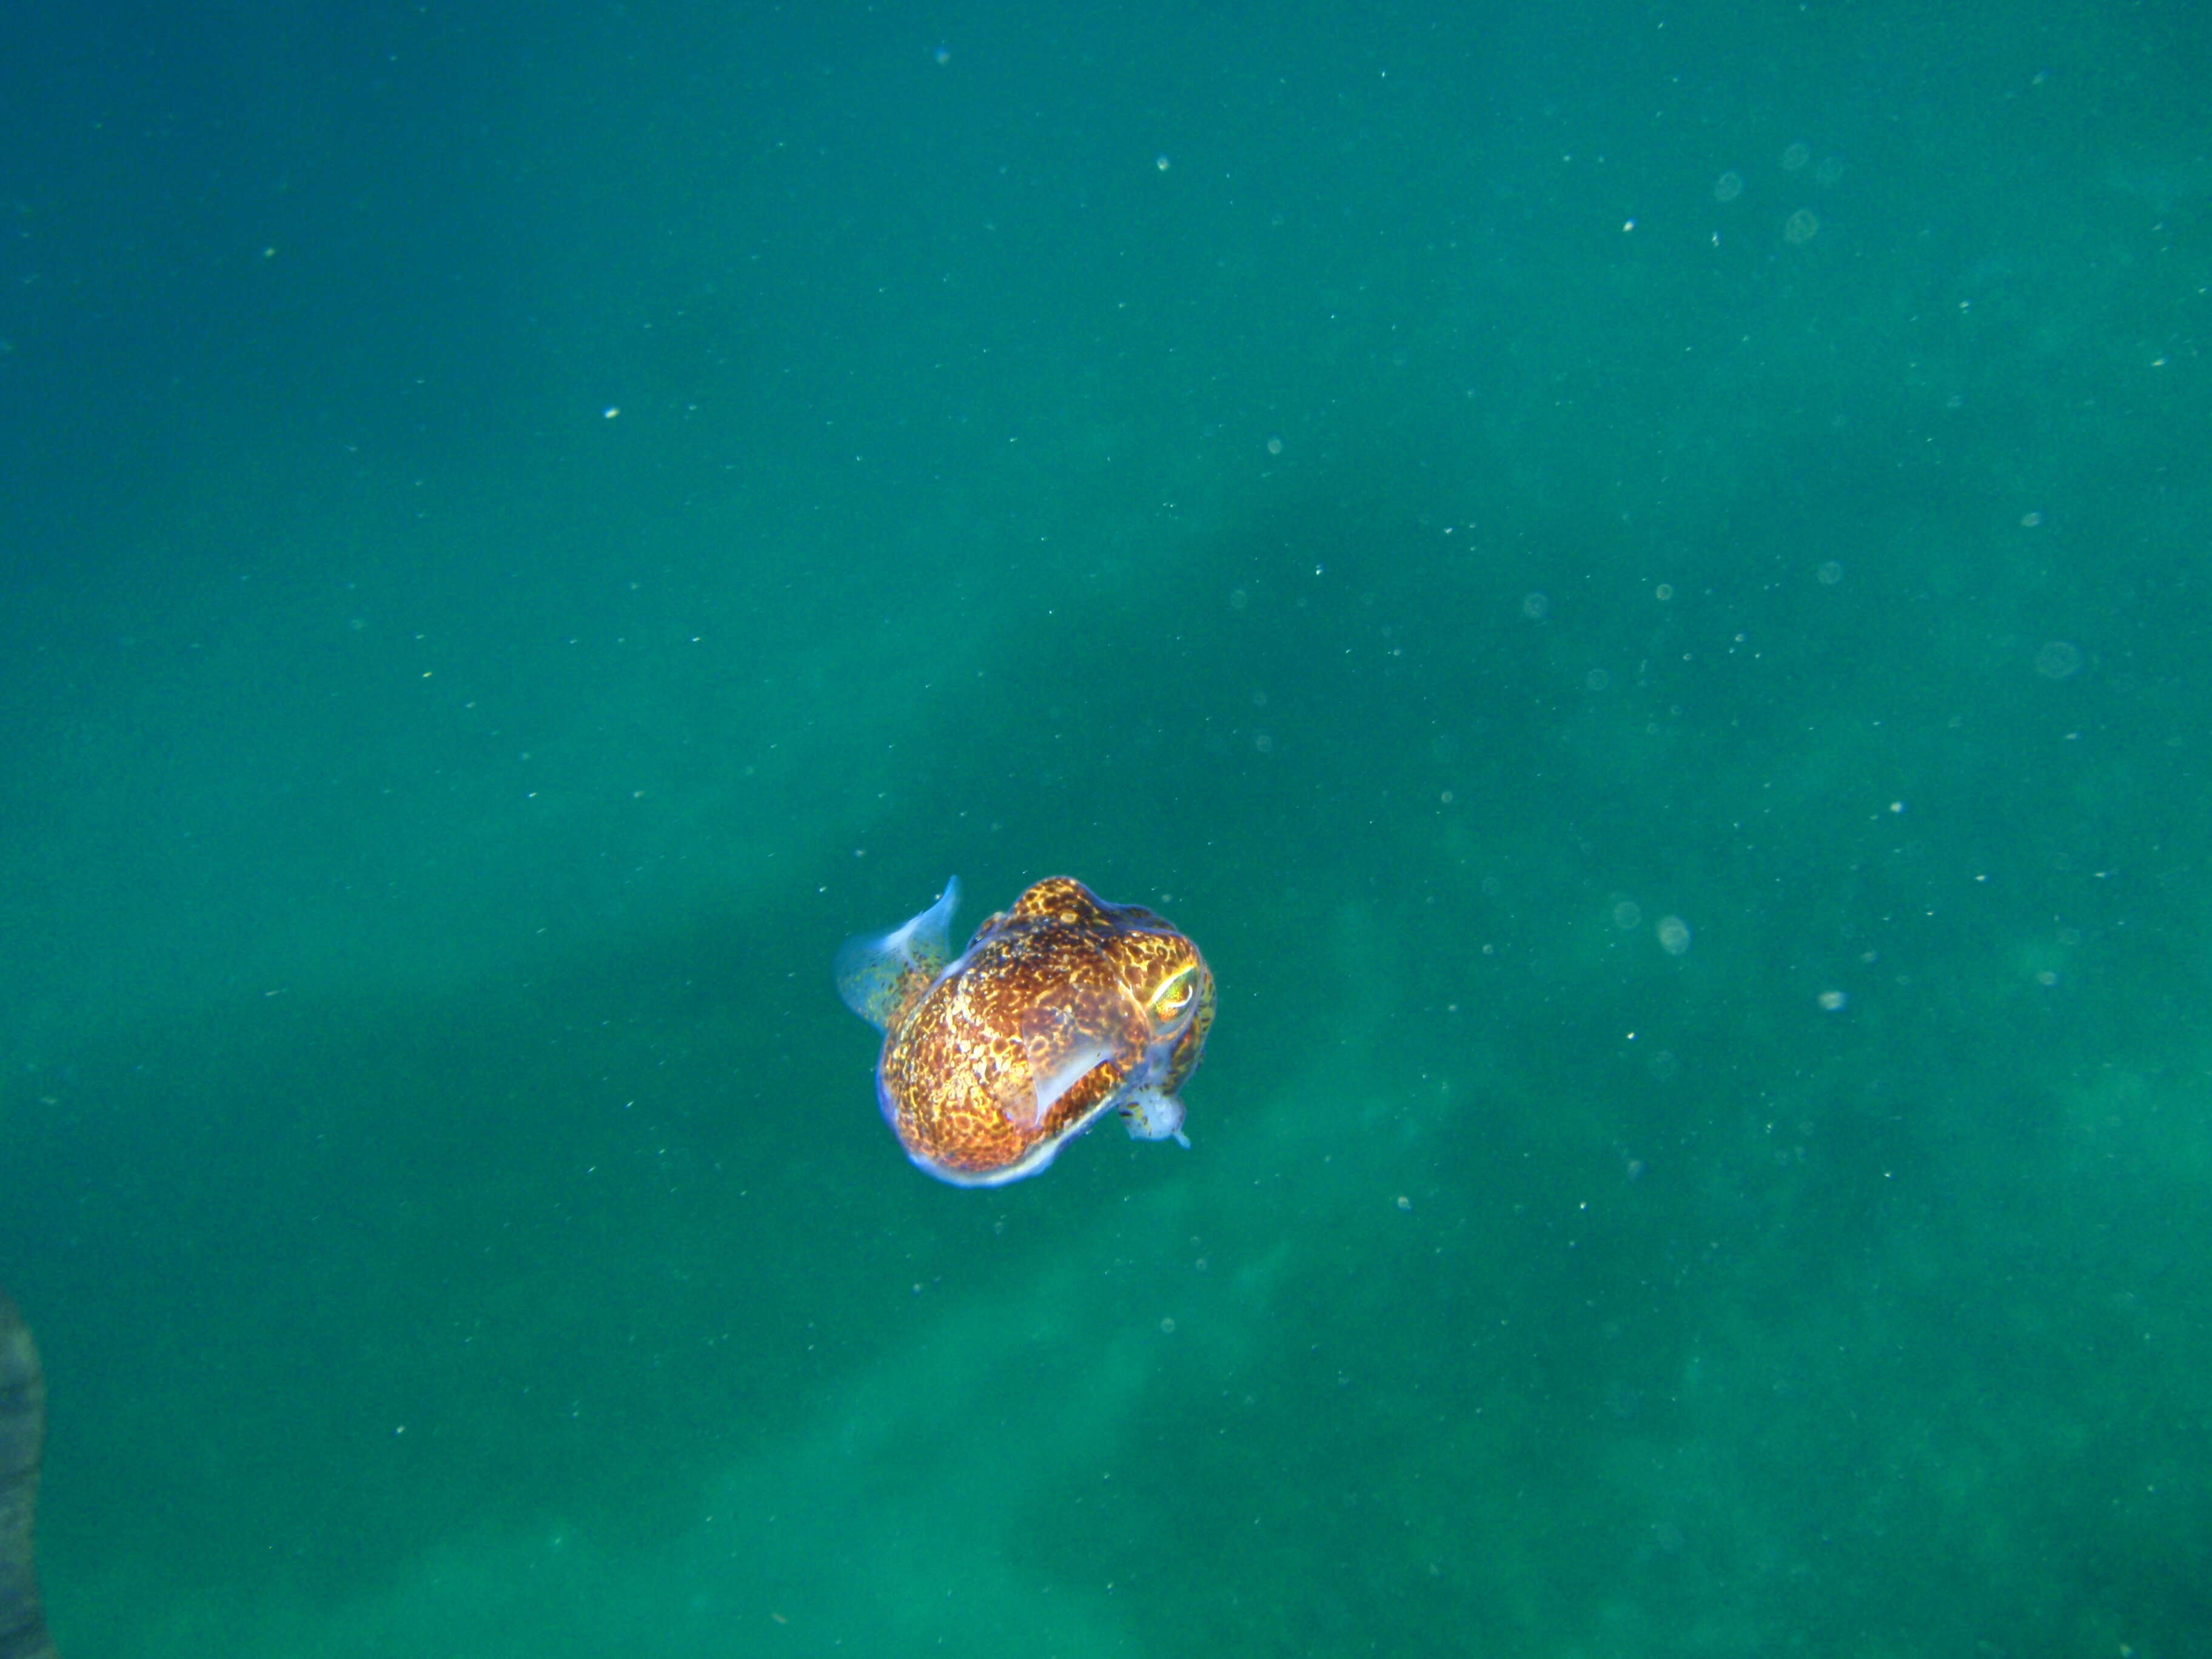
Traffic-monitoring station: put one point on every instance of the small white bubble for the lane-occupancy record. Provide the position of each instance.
(2060, 659)
(1275, 446)
(1161, 161)
(1833, 1001)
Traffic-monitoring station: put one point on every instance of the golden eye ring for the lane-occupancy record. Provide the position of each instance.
(1172, 997)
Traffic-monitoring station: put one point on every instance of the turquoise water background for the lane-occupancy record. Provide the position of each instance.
(1635, 576)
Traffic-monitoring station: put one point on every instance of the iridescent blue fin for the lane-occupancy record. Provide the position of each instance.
(879, 973)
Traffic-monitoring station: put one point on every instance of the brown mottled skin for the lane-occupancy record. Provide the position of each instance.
(1068, 970)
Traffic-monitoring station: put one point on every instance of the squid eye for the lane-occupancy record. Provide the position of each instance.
(1172, 997)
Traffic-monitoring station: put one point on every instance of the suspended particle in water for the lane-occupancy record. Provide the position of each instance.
(1796, 157)
(1830, 573)
(1673, 935)
(1800, 227)
(1832, 1001)
(1728, 186)
(2060, 659)
(1536, 606)
(1627, 915)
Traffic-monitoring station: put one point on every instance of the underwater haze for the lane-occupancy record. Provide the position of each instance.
(1637, 578)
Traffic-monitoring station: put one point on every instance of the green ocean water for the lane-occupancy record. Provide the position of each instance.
(1636, 577)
